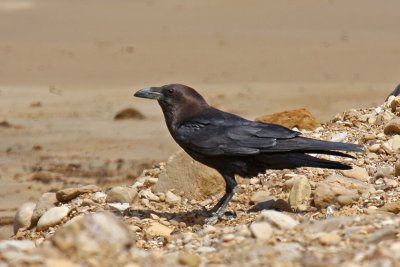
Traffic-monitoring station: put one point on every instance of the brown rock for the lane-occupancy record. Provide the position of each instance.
(329, 239)
(189, 259)
(196, 180)
(129, 113)
(68, 194)
(299, 118)
(329, 190)
(393, 126)
(397, 168)
(157, 229)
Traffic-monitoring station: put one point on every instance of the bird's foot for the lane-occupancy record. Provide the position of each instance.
(215, 217)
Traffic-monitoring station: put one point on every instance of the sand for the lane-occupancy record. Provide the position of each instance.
(68, 66)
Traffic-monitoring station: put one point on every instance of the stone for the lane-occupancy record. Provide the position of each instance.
(158, 230)
(147, 194)
(17, 245)
(121, 194)
(393, 207)
(397, 168)
(300, 195)
(392, 127)
(298, 118)
(184, 174)
(46, 201)
(382, 234)
(328, 191)
(171, 198)
(260, 196)
(68, 194)
(277, 219)
(120, 206)
(23, 216)
(93, 235)
(261, 230)
(374, 148)
(271, 202)
(394, 142)
(356, 173)
(52, 217)
(339, 137)
(189, 259)
(129, 113)
(329, 239)
(395, 102)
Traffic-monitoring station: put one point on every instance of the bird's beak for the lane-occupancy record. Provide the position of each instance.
(150, 92)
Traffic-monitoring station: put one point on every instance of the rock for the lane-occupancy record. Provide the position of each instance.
(147, 194)
(261, 230)
(392, 127)
(339, 137)
(394, 142)
(278, 219)
(68, 194)
(18, 245)
(52, 217)
(171, 198)
(23, 216)
(46, 201)
(120, 206)
(328, 191)
(374, 148)
(329, 239)
(271, 203)
(395, 102)
(260, 196)
(129, 113)
(196, 180)
(158, 230)
(121, 194)
(93, 235)
(189, 259)
(393, 207)
(299, 197)
(356, 173)
(45, 177)
(397, 168)
(299, 118)
(382, 234)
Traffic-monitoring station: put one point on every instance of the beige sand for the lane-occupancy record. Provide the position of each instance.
(83, 60)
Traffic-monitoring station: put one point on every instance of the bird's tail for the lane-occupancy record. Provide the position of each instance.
(292, 160)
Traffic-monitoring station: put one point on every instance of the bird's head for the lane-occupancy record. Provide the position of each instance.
(177, 99)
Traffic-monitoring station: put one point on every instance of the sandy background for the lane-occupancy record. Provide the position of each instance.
(66, 67)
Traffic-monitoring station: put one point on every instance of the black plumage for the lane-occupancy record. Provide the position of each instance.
(233, 145)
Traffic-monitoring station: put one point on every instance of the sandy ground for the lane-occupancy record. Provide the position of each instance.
(83, 60)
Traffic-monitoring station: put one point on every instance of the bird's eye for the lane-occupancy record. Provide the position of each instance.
(170, 91)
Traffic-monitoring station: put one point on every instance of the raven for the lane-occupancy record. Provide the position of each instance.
(233, 145)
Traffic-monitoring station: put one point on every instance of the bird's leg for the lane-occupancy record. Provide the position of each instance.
(217, 212)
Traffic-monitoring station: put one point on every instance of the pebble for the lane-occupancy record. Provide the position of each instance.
(147, 194)
(189, 259)
(121, 194)
(329, 239)
(392, 127)
(260, 196)
(374, 148)
(261, 230)
(171, 198)
(356, 173)
(119, 206)
(300, 194)
(68, 194)
(156, 229)
(52, 217)
(339, 137)
(393, 207)
(278, 219)
(23, 216)
(46, 201)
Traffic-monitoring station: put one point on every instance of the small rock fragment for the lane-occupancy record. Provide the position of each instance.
(171, 198)
(46, 201)
(392, 127)
(278, 219)
(299, 197)
(393, 207)
(68, 194)
(189, 259)
(156, 229)
(260, 196)
(147, 194)
(329, 239)
(261, 230)
(121, 194)
(356, 173)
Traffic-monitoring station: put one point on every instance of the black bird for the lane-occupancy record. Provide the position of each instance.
(233, 145)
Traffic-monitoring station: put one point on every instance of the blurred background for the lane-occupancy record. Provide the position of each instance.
(68, 66)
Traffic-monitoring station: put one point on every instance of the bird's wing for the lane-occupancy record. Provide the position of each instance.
(234, 137)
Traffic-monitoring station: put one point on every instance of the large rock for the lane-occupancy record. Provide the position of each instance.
(337, 189)
(261, 230)
(94, 235)
(121, 194)
(158, 230)
(278, 219)
(23, 216)
(393, 126)
(196, 180)
(299, 118)
(52, 217)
